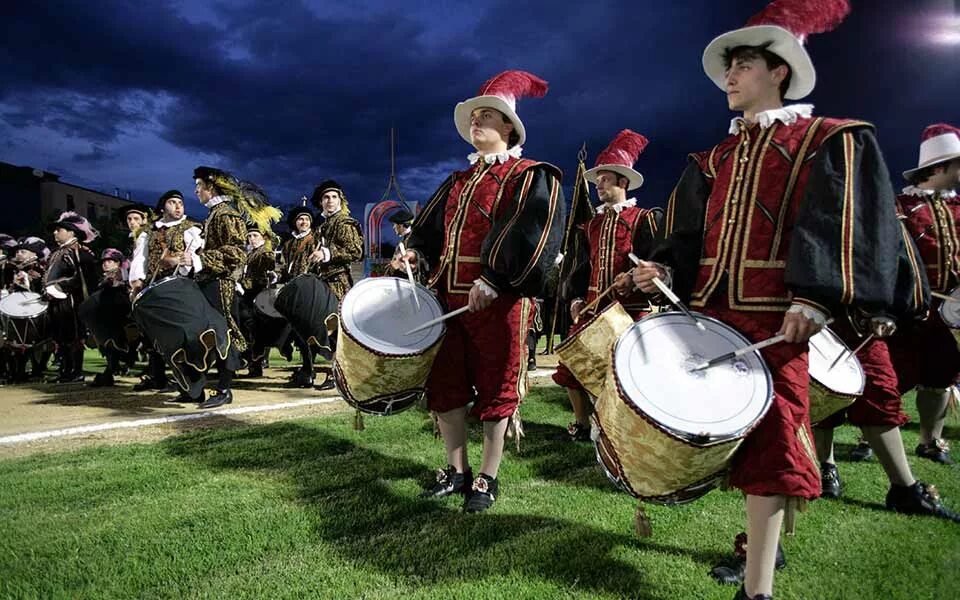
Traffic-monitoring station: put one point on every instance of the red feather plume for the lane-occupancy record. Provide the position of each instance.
(627, 146)
(515, 84)
(938, 129)
(803, 17)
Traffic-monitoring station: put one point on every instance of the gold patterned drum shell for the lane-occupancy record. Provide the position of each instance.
(832, 390)
(586, 353)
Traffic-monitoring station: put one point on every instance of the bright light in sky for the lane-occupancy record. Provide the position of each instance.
(946, 30)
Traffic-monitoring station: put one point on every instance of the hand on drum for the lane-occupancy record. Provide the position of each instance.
(797, 328)
(171, 261)
(410, 257)
(479, 299)
(643, 275)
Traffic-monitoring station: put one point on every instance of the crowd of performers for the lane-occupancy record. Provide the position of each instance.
(788, 224)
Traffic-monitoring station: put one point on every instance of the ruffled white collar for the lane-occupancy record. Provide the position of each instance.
(216, 200)
(299, 235)
(162, 223)
(912, 190)
(500, 157)
(619, 206)
(787, 115)
(327, 215)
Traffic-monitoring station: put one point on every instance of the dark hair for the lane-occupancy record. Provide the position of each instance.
(514, 138)
(927, 172)
(753, 52)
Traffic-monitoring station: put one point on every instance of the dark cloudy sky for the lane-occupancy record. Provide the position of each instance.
(287, 93)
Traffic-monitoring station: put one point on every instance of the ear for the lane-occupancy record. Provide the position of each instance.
(780, 73)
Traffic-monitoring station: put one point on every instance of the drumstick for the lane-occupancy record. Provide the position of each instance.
(413, 285)
(159, 264)
(673, 298)
(944, 297)
(745, 350)
(595, 301)
(433, 322)
(854, 353)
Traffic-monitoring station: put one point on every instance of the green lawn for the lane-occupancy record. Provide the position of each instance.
(312, 508)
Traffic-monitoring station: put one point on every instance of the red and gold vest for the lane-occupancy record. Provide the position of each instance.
(931, 220)
(611, 236)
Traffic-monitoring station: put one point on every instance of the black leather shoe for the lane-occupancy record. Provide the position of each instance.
(255, 370)
(861, 452)
(578, 433)
(184, 398)
(219, 399)
(830, 481)
(301, 379)
(102, 380)
(327, 384)
(937, 450)
(730, 572)
(448, 482)
(919, 499)
(742, 595)
(532, 364)
(148, 383)
(70, 378)
(483, 493)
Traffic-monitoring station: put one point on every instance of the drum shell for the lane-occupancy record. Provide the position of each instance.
(825, 402)
(586, 353)
(654, 464)
(105, 315)
(28, 330)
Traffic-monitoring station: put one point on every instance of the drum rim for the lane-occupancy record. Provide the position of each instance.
(155, 284)
(355, 339)
(826, 331)
(31, 297)
(272, 288)
(954, 293)
(572, 337)
(344, 388)
(683, 436)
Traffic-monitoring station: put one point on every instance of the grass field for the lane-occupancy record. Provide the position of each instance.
(312, 508)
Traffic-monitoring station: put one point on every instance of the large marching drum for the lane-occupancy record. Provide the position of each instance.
(832, 389)
(664, 432)
(586, 352)
(23, 317)
(950, 312)
(307, 302)
(378, 368)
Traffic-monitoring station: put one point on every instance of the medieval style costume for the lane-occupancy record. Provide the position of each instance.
(341, 240)
(492, 229)
(105, 314)
(261, 330)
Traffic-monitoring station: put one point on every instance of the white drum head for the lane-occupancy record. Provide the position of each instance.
(265, 301)
(378, 311)
(652, 362)
(847, 377)
(950, 311)
(23, 305)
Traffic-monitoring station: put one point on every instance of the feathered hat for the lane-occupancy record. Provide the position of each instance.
(620, 157)
(35, 245)
(166, 196)
(250, 199)
(782, 28)
(7, 241)
(939, 143)
(78, 225)
(111, 254)
(501, 92)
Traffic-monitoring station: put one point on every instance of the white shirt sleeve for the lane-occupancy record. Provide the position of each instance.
(193, 242)
(138, 264)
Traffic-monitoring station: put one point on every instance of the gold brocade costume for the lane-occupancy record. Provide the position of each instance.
(224, 258)
(260, 262)
(165, 239)
(295, 256)
(340, 233)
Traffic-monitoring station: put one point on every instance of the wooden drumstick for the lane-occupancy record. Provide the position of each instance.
(413, 285)
(433, 322)
(944, 297)
(853, 353)
(595, 301)
(673, 298)
(745, 350)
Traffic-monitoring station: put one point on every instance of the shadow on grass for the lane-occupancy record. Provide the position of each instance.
(363, 504)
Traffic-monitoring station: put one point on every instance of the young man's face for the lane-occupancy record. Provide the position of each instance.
(487, 126)
(23, 255)
(134, 221)
(303, 223)
(750, 83)
(255, 239)
(173, 209)
(109, 265)
(204, 192)
(608, 186)
(330, 201)
(62, 235)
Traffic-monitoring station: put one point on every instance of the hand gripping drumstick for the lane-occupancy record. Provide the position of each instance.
(433, 322)
(413, 285)
(745, 350)
(673, 298)
(595, 301)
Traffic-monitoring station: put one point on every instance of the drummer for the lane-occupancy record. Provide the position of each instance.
(169, 247)
(489, 235)
(619, 228)
(259, 273)
(114, 279)
(68, 280)
(29, 258)
(296, 256)
(930, 207)
(402, 226)
(757, 249)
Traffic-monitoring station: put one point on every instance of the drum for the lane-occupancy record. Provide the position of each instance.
(378, 368)
(586, 353)
(307, 302)
(666, 434)
(24, 318)
(950, 312)
(265, 301)
(105, 314)
(184, 328)
(832, 390)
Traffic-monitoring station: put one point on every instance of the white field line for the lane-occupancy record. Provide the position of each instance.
(240, 410)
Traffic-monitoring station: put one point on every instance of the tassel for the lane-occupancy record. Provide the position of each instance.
(358, 421)
(515, 428)
(641, 522)
(953, 404)
(793, 506)
(436, 424)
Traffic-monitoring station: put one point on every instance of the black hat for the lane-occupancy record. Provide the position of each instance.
(166, 196)
(111, 254)
(401, 217)
(251, 226)
(7, 241)
(296, 212)
(80, 226)
(136, 207)
(207, 173)
(325, 187)
(35, 245)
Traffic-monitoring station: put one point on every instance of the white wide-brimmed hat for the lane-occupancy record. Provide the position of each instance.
(619, 156)
(501, 93)
(939, 143)
(782, 28)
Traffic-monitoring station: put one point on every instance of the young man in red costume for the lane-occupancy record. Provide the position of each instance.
(489, 236)
(619, 228)
(787, 219)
